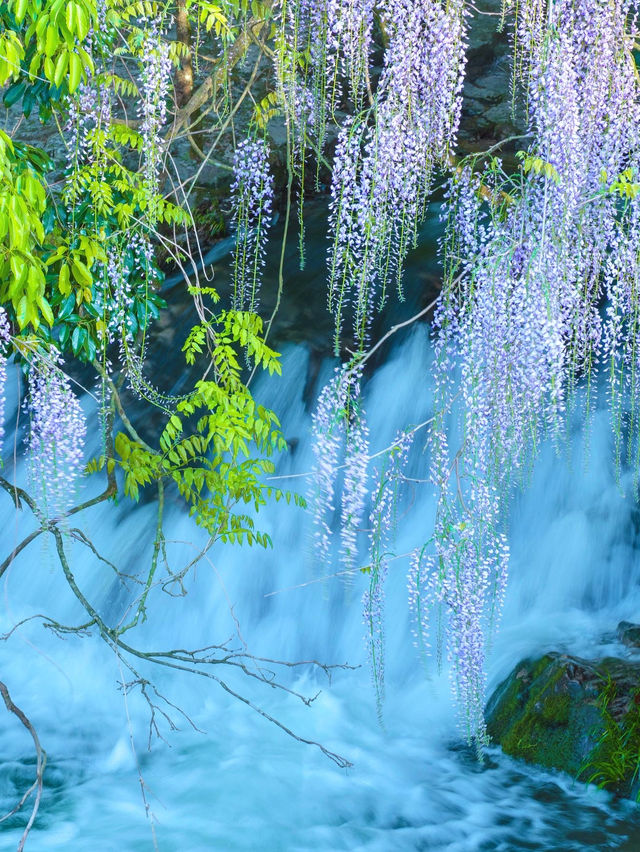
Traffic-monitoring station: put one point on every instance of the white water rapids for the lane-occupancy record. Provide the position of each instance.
(243, 784)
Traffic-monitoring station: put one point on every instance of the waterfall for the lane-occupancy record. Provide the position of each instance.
(240, 783)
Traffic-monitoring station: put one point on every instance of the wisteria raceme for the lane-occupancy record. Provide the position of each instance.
(467, 591)
(115, 299)
(345, 226)
(387, 480)
(465, 579)
(88, 121)
(419, 604)
(528, 34)
(620, 338)
(252, 200)
(328, 433)
(156, 68)
(5, 337)
(56, 435)
(304, 86)
(336, 36)
(383, 168)
(355, 487)
(518, 320)
(127, 262)
(349, 30)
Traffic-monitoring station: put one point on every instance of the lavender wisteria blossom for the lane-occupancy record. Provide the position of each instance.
(384, 501)
(5, 337)
(385, 157)
(252, 200)
(304, 85)
(518, 320)
(326, 50)
(349, 31)
(156, 68)
(341, 441)
(56, 435)
(355, 489)
(90, 113)
(328, 434)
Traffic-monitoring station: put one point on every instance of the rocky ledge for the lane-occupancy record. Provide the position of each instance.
(578, 716)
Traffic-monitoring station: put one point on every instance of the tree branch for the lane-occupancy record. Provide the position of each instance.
(212, 83)
(41, 762)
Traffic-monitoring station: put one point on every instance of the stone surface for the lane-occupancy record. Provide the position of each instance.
(579, 716)
(629, 634)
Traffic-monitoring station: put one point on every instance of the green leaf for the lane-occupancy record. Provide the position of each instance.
(75, 71)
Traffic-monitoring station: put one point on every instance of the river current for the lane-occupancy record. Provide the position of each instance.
(241, 783)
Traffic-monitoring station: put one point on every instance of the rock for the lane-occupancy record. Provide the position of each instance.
(578, 716)
(629, 634)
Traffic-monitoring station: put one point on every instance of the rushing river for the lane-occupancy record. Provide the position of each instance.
(239, 782)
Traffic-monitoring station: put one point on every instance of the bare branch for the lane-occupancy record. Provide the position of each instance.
(41, 762)
(173, 659)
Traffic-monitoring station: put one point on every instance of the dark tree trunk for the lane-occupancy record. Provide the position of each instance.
(184, 73)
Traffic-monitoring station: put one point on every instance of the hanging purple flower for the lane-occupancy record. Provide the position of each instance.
(384, 160)
(56, 435)
(5, 338)
(328, 432)
(252, 201)
(88, 121)
(384, 501)
(518, 321)
(156, 68)
(355, 489)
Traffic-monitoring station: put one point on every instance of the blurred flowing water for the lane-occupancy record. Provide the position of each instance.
(243, 784)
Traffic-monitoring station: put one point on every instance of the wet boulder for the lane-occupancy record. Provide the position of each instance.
(579, 716)
(629, 634)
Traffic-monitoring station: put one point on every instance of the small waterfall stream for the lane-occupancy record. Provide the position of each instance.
(241, 783)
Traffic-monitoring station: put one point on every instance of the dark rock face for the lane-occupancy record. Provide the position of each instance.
(629, 634)
(579, 716)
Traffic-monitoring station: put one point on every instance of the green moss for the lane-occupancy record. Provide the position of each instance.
(534, 718)
(512, 696)
(556, 708)
(575, 715)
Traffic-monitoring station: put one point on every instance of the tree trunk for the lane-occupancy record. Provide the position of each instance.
(184, 73)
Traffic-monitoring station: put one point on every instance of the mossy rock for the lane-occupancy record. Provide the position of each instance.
(629, 634)
(579, 716)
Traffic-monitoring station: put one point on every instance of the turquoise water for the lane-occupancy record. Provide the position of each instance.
(239, 782)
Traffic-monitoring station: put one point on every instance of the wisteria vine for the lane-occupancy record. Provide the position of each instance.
(5, 337)
(252, 202)
(541, 260)
(56, 436)
(519, 322)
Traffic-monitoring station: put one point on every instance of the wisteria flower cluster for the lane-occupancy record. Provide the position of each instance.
(336, 36)
(387, 479)
(349, 31)
(518, 320)
(304, 84)
(88, 122)
(5, 337)
(341, 442)
(156, 68)
(384, 159)
(355, 490)
(252, 201)
(328, 436)
(56, 435)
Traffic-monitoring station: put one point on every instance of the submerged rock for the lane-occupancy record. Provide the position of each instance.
(629, 634)
(579, 716)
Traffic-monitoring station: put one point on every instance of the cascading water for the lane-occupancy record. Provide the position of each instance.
(243, 784)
